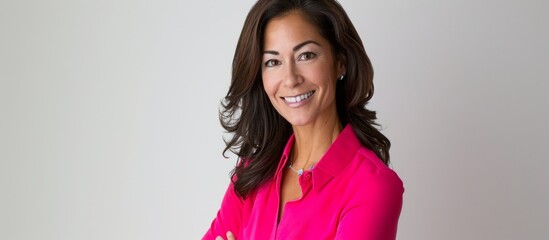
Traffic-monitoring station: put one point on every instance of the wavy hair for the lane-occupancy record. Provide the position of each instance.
(258, 132)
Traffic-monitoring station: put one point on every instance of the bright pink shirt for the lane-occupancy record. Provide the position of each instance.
(349, 194)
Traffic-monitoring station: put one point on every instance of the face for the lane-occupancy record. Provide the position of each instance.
(300, 71)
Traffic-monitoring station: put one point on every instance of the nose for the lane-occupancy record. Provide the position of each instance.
(292, 78)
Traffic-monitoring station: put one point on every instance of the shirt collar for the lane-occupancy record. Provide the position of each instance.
(285, 155)
(334, 161)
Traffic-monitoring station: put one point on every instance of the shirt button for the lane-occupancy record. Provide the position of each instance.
(308, 176)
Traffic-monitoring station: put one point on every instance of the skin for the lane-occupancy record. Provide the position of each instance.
(297, 60)
(229, 235)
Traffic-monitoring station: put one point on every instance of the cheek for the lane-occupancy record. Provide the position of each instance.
(269, 86)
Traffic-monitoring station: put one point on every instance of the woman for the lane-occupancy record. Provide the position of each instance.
(312, 164)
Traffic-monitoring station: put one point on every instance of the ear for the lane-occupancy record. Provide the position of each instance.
(341, 64)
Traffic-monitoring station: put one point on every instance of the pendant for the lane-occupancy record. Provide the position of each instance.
(300, 172)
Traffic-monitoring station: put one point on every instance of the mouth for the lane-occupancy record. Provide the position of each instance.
(299, 98)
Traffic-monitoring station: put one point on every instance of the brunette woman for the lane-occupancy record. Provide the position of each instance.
(312, 164)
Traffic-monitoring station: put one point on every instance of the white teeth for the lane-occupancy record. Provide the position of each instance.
(298, 98)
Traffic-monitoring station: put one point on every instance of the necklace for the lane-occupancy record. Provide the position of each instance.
(298, 171)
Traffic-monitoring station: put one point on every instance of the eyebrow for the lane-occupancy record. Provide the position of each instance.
(297, 47)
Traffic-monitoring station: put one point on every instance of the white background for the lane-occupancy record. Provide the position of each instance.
(109, 125)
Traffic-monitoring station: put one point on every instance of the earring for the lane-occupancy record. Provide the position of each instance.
(341, 77)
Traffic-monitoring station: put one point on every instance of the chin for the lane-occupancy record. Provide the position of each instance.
(298, 121)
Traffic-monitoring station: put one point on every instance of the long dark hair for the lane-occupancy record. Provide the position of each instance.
(259, 133)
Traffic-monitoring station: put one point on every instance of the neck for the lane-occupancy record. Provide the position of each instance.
(312, 141)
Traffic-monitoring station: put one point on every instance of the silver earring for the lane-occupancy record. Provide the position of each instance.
(341, 77)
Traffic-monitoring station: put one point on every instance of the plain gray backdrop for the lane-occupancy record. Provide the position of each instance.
(109, 115)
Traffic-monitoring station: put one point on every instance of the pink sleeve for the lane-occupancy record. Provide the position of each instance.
(375, 215)
(229, 216)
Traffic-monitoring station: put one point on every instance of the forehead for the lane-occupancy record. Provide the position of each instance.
(290, 29)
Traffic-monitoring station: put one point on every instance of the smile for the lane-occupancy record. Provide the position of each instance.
(299, 98)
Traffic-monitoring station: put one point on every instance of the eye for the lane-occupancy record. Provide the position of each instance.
(306, 56)
(272, 63)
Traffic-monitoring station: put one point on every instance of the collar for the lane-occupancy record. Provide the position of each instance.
(334, 161)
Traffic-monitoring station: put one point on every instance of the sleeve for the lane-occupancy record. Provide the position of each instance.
(375, 215)
(229, 216)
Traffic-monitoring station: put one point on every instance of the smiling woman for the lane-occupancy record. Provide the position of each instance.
(312, 164)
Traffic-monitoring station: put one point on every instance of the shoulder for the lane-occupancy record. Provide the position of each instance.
(371, 178)
(374, 202)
